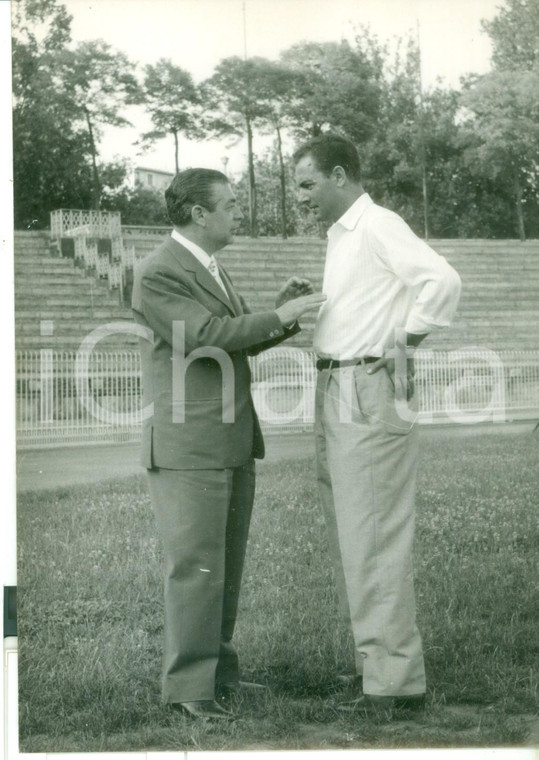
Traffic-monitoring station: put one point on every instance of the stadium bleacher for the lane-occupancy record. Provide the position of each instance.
(499, 307)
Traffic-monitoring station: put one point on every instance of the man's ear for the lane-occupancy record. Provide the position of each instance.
(339, 176)
(198, 215)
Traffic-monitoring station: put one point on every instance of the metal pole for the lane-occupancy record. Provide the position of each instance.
(422, 140)
(252, 231)
(244, 31)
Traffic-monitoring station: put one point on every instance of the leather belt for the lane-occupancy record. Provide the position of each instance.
(336, 363)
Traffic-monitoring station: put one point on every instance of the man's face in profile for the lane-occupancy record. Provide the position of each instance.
(222, 223)
(315, 191)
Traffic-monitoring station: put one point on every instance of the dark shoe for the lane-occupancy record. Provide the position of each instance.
(371, 704)
(412, 703)
(204, 709)
(347, 680)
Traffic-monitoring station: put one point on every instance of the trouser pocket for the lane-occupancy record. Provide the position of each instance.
(379, 401)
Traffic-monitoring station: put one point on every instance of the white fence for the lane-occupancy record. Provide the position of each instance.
(98, 246)
(57, 405)
(74, 222)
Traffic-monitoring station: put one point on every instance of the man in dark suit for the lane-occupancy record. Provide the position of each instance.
(200, 443)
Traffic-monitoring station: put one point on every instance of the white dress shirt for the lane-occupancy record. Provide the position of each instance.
(205, 259)
(379, 276)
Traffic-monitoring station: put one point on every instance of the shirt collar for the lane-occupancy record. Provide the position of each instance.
(352, 215)
(193, 248)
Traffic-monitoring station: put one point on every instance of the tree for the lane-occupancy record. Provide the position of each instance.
(503, 129)
(270, 217)
(137, 205)
(391, 158)
(233, 95)
(50, 169)
(61, 96)
(171, 98)
(411, 163)
(97, 82)
(43, 26)
(49, 151)
(278, 89)
(503, 108)
(515, 35)
(341, 88)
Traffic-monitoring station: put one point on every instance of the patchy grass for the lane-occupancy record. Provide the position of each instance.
(90, 613)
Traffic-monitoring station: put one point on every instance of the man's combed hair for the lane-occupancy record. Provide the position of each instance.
(330, 150)
(192, 187)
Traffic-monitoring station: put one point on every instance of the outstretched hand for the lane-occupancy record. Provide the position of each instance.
(293, 309)
(293, 288)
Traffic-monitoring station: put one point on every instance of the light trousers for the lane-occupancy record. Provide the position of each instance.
(366, 467)
(203, 517)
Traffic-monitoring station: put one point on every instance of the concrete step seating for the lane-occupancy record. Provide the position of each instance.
(499, 306)
(54, 290)
(500, 295)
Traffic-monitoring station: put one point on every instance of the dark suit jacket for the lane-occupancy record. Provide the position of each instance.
(171, 284)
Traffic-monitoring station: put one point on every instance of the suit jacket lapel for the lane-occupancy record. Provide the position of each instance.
(234, 299)
(203, 277)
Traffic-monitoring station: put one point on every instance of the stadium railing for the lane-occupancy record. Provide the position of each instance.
(67, 397)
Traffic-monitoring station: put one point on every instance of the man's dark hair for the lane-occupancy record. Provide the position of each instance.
(330, 150)
(192, 187)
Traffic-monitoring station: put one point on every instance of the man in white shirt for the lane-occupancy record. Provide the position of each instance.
(381, 283)
(201, 440)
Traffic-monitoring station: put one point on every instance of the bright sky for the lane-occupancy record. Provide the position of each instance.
(197, 34)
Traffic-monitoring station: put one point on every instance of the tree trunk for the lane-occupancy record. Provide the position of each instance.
(252, 186)
(96, 182)
(518, 208)
(283, 184)
(176, 151)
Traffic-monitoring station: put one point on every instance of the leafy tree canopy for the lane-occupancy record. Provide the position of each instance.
(515, 35)
(341, 89)
(173, 102)
(503, 131)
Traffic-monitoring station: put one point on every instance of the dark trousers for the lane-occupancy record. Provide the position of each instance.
(203, 517)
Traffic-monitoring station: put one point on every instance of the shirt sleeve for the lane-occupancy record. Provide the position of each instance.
(415, 263)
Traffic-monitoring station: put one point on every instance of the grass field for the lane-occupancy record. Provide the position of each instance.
(90, 613)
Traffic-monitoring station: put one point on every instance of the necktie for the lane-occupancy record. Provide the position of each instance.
(214, 271)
